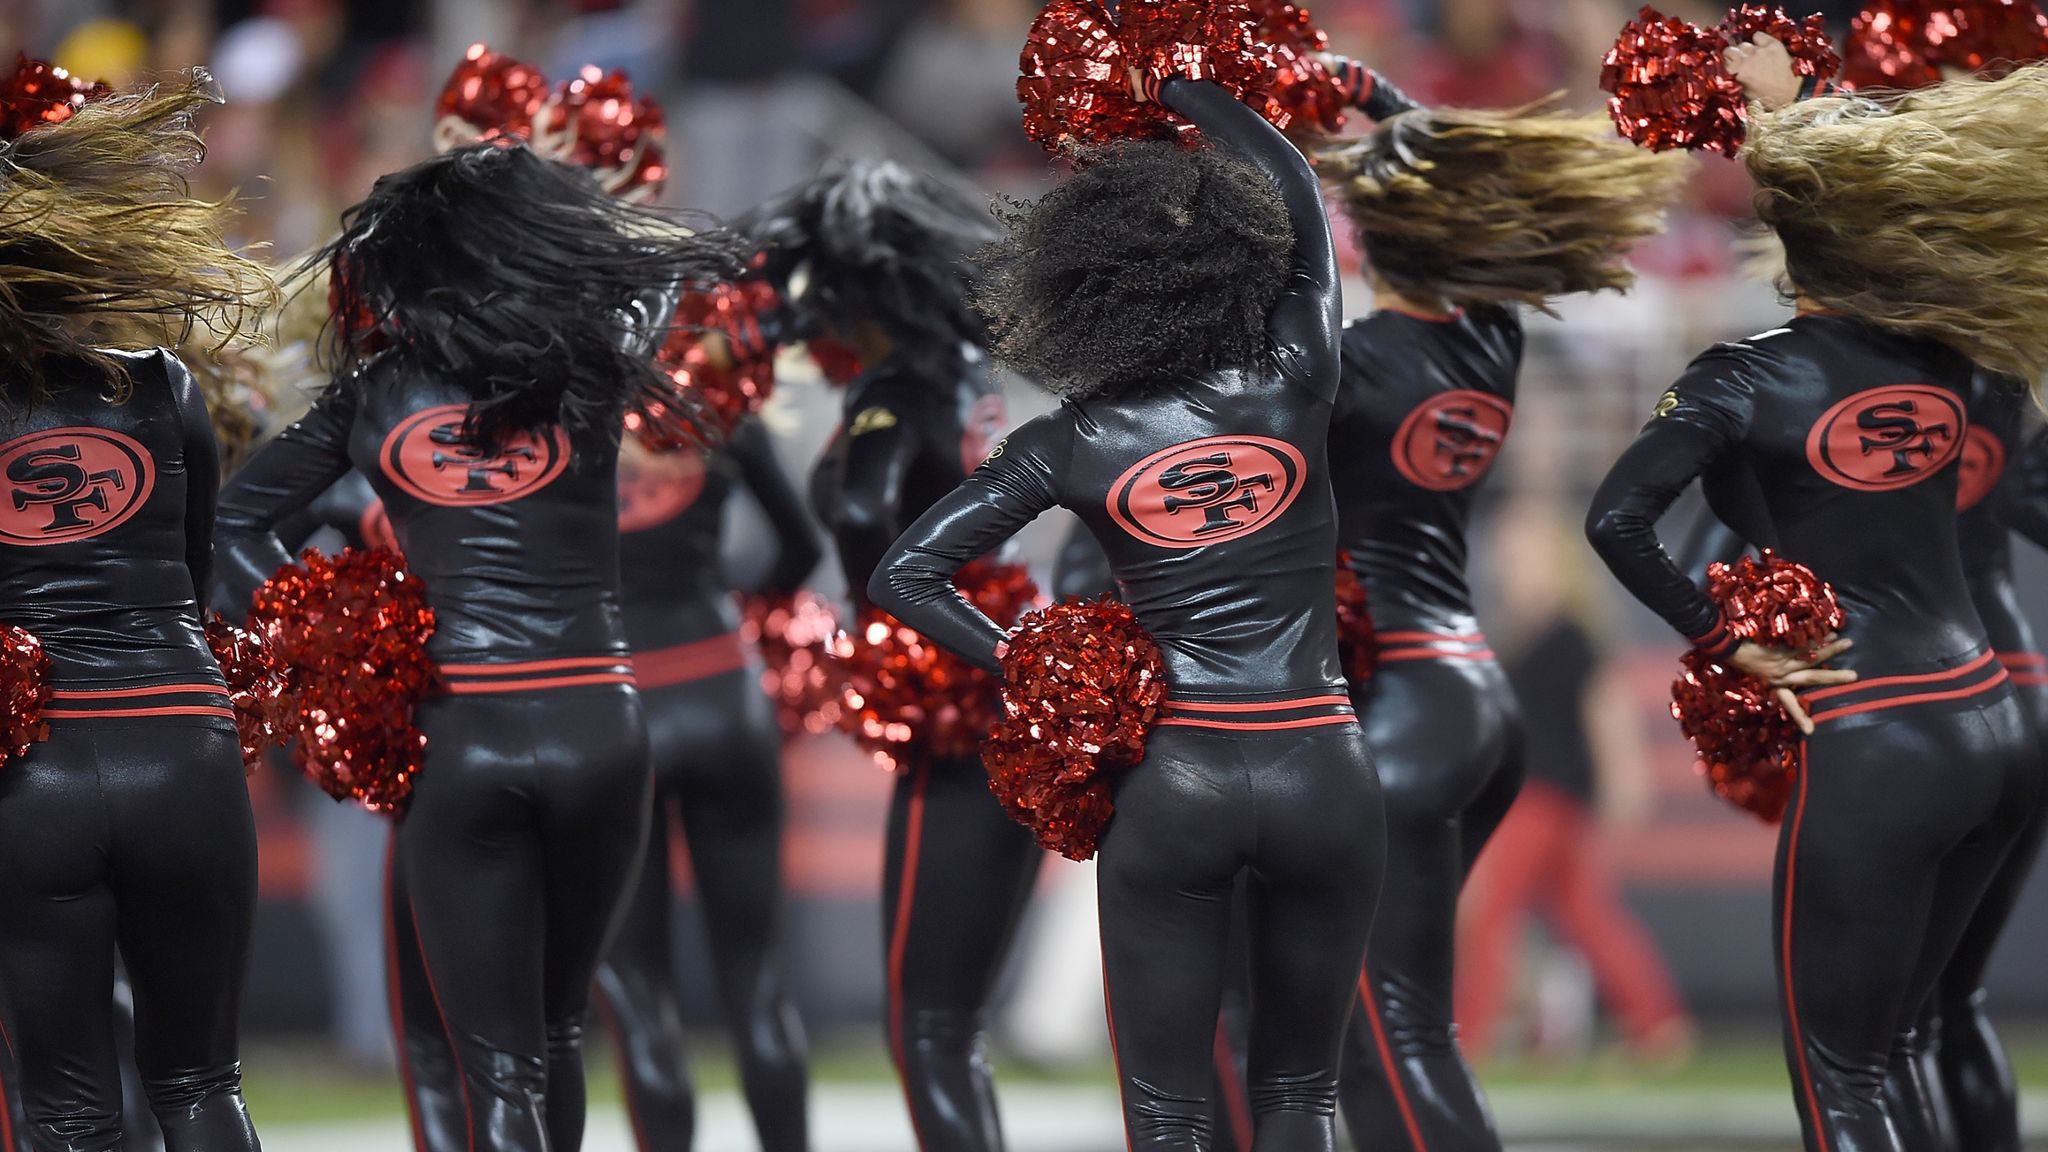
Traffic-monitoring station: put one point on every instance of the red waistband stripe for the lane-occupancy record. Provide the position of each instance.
(536, 675)
(683, 663)
(1260, 716)
(150, 701)
(1978, 676)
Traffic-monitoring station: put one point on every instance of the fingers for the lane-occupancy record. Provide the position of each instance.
(1830, 647)
(1792, 708)
(1814, 678)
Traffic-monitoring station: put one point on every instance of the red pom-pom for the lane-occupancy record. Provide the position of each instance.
(837, 363)
(596, 122)
(1669, 87)
(40, 93)
(1747, 745)
(905, 698)
(722, 393)
(1906, 43)
(1082, 686)
(493, 94)
(1299, 89)
(794, 636)
(1358, 645)
(353, 630)
(1813, 54)
(24, 692)
(258, 686)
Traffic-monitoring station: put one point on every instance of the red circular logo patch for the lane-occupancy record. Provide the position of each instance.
(70, 484)
(658, 489)
(1450, 440)
(1208, 490)
(980, 431)
(375, 528)
(1983, 464)
(428, 456)
(1887, 438)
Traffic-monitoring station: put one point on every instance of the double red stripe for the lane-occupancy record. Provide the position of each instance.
(1974, 678)
(1260, 716)
(1396, 647)
(196, 699)
(2027, 669)
(664, 667)
(536, 675)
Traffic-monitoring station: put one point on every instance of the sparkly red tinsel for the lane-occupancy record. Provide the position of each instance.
(1299, 87)
(40, 93)
(1748, 747)
(353, 631)
(724, 394)
(1906, 43)
(1358, 645)
(492, 93)
(595, 121)
(1668, 86)
(259, 686)
(905, 698)
(1075, 66)
(1082, 686)
(24, 691)
(794, 636)
(837, 363)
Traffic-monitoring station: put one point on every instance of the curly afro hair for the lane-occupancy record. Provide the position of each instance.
(877, 243)
(1153, 263)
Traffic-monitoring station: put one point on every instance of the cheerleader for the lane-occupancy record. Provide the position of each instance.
(1832, 439)
(481, 393)
(129, 827)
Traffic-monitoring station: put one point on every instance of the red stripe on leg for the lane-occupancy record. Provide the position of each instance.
(899, 935)
(1791, 1001)
(1392, 1070)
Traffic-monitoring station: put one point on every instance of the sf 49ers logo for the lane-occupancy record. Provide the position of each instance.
(428, 456)
(1206, 491)
(1887, 438)
(1982, 465)
(1450, 440)
(374, 526)
(657, 489)
(70, 484)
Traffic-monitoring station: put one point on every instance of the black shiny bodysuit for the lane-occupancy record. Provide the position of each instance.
(1210, 497)
(529, 815)
(957, 871)
(1424, 408)
(129, 828)
(1835, 442)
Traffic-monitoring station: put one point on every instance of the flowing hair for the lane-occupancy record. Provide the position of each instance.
(1515, 206)
(1925, 215)
(518, 280)
(103, 246)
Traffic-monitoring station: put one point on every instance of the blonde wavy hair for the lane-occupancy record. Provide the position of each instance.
(103, 246)
(1926, 214)
(1493, 207)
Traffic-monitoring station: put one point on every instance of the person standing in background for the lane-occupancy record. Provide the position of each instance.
(1584, 763)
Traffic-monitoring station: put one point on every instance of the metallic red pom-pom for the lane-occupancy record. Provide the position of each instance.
(1358, 645)
(596, 122)
(1082, 686)
(492, 93)
(1195, 39)
(905, 698)
(1747, 745)
(794, 636)
(259, 686)
(24, 692)
(1299, 89)
(1074, 84)
(1668, 87)
(837, 363)
(40, 93)
(722, 393)
(353, 630)
(1813, 54)
(1906, 43)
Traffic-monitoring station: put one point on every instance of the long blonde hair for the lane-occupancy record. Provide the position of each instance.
(102, 245)
(1520, 205)
(1926, 214)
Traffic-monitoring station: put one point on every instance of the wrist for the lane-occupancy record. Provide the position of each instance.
(1717, 643)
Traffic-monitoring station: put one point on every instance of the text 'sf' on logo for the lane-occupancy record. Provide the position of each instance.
(1888, 438)
(429, 457)
(1207, 491)
(1449, 440)
(70, 484)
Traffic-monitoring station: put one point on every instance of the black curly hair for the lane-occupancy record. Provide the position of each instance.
(875, 242)
(1153, 263)
(513, 277)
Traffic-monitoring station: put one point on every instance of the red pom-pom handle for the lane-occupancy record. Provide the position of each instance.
(24, 692)
(259, 687)
(1906, 43)
(1668, 86)
(1082, 687)
(353, 631)
(794, 636)
(40, 93)
(1748, 747)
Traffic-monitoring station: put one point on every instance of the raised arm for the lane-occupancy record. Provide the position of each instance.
(288, 474)
(1009, 490)
(202, 477)
(1367, 90)
(796, 538)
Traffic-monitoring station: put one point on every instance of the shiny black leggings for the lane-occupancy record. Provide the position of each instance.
(955, 879)
(1298, 812)
(1899, 825)
(1447, 740)
(130, 835)
(525, 832)
(718, 767)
